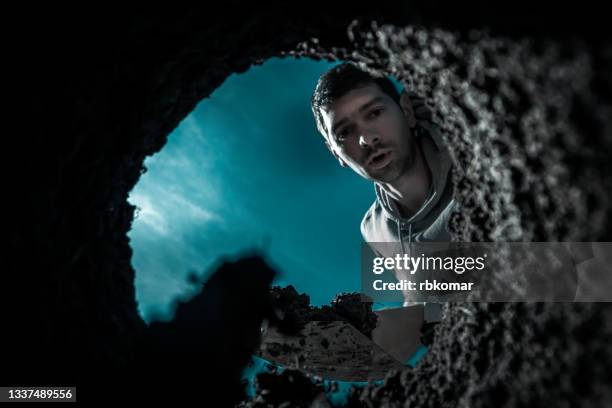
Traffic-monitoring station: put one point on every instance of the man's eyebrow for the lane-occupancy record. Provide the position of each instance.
(363, 107)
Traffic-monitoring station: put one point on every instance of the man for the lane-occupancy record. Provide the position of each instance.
(382, 136)
(368, 126)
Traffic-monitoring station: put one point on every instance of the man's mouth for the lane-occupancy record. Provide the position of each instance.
(380, 160)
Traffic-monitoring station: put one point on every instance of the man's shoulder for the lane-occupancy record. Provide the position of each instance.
(369, 221)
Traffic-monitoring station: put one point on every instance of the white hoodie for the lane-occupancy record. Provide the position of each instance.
(383, 222)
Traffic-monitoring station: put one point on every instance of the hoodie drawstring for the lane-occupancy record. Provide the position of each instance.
(399, 233)
(410, 240)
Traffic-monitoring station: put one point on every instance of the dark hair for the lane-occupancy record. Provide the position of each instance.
(340, 80)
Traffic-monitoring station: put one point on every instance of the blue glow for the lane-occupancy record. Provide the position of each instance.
(247, 168)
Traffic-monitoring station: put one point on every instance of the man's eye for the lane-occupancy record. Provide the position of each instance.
(374, 113)
(343, 134)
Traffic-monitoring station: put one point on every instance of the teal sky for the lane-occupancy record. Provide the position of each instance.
(248, 169)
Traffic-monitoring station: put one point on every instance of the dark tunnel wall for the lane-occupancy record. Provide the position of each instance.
(99, 91)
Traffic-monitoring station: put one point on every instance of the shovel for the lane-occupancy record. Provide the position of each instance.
(338, 351)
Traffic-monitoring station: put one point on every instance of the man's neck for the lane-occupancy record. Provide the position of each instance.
(411, 189)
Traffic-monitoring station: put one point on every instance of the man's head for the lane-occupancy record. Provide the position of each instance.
(366, 124)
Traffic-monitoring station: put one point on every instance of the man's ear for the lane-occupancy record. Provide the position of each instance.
(331, 149)
(406, 106)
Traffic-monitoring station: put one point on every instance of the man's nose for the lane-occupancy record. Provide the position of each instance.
(368, 139)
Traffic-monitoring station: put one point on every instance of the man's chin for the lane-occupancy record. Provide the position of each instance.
(386, 175)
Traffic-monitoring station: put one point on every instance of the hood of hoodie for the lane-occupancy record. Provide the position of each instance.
(439, 163)
(383, 222)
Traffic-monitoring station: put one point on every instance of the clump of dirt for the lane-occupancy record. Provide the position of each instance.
(292, 310)
(289, 388)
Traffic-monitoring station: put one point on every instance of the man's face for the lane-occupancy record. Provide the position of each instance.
(370, 133)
